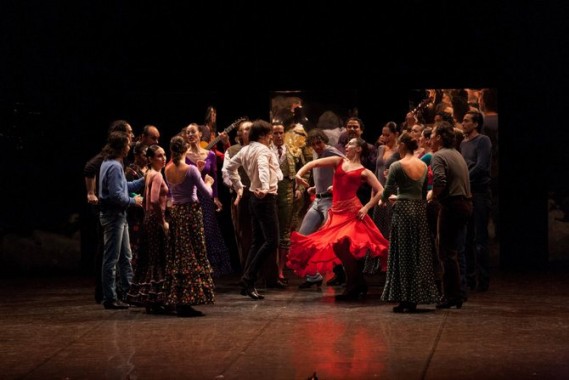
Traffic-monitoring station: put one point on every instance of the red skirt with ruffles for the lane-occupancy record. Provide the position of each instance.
(314, 253)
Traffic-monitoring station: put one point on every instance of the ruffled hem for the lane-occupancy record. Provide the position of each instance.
(314, 259)
(314, 253)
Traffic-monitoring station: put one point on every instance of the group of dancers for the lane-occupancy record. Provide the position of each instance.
(175, 268)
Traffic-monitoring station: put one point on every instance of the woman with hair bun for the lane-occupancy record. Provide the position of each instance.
(188, 271)
(410, 279)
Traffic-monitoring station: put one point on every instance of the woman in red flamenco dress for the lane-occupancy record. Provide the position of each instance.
(348, 233)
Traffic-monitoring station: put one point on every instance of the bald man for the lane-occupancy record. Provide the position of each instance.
(150, 135)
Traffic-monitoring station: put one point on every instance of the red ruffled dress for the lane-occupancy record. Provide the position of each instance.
(315, 252)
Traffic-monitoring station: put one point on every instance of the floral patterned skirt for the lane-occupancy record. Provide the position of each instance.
(148, 282)
(188, 271)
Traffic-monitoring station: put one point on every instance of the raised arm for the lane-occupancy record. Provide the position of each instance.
(205, 187)
(332, 161)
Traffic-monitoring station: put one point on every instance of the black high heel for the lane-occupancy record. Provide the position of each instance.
(308, 284)
(187, 311)
(450, 303)
(405, 307)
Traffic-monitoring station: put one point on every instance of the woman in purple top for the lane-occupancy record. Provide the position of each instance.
(217, 251)
(188, 271)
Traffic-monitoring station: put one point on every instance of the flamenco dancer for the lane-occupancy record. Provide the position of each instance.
(348, 233)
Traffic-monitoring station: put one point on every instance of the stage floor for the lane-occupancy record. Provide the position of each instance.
(51, 328)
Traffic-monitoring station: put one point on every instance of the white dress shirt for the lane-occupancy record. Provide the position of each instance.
(260, 164)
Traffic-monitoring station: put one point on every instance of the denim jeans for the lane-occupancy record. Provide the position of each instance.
(116, 252)
(315, 216)
(313, 220)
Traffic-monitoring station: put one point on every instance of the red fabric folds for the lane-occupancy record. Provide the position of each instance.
(315, 252)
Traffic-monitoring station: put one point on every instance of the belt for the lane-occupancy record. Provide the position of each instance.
(323, 195)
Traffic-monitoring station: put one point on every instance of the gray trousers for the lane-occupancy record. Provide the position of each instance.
(314, 218)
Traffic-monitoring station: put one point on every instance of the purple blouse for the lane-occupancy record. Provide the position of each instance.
(209, 168)
(185, 191)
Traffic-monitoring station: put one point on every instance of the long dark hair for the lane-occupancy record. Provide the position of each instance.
(208, 118)
(116, 142)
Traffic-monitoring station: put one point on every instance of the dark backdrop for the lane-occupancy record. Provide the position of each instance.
(69, 68)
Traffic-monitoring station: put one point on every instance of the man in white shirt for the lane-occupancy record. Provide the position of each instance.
(263, 169)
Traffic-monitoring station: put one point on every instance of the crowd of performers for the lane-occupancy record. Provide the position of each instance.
(314, 200)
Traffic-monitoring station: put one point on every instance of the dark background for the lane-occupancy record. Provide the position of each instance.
(68, 68)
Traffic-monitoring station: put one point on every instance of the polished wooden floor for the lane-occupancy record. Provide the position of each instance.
(51, 328)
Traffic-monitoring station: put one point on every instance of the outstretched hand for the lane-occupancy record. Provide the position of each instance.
(301, 181)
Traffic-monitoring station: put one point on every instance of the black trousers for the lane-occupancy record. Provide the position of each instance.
(453, 217)
(265, 236)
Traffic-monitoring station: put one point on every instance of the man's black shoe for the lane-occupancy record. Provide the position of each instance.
(252, 292)
(115, 305)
